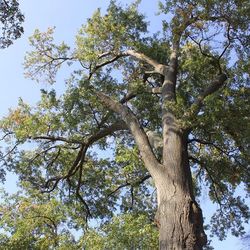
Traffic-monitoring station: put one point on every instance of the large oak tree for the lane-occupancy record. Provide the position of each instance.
(170, 109)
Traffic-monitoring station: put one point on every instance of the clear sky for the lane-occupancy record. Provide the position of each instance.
(67, 17)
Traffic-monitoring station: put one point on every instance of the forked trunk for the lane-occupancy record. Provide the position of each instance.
(179, 218)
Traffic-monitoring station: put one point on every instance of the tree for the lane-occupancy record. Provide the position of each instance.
(34, 222)
(11, 20)
(174, 116)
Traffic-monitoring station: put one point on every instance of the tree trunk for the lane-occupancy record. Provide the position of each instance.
(178, 217)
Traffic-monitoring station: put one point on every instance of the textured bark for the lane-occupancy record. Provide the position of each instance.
(179, 217)
(180, 224)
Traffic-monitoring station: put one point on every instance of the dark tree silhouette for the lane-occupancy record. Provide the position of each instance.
(11, 19)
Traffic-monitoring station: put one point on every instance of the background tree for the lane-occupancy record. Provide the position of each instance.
(11, 20)
(178, 86)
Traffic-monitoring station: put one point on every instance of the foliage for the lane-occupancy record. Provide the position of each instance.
(33, 221)
(11, 20)
(61, 145)
(124, 232)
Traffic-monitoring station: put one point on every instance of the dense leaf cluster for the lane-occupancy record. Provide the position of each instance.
(11, 19)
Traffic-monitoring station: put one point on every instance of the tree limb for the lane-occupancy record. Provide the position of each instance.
(226, 153)
(137, 183)
(120, 125)
(210, 89)
(55, 138)
(158, 68)
(80, 158)
(132, 123)
(213, 182)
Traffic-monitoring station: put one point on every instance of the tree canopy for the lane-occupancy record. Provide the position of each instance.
(84, 155)
(11, 19)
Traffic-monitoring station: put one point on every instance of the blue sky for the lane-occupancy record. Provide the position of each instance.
(67, 17)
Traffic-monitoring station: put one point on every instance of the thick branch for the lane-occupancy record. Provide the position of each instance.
(212, 88)
(120, 125)
(140, 136)
(170, 73)
(131, 95)
(158, 68)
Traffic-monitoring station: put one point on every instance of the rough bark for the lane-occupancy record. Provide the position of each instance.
(178, 217)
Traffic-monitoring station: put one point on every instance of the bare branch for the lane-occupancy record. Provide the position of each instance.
(6, 135)
(228, 44)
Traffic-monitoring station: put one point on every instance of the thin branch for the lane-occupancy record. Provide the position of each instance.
(55, 180)
(54, 159)
(218, 148)
(98, 66)
(201, 49)
(54, 226)
(6, 134)
(88, 214)
(55, 138)
(94, 115)
(118, 188)
(11, 150)
(134, 184)
(228, 44)
(43, 152)
(80, 158)
(132, 197)
(213, 182)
